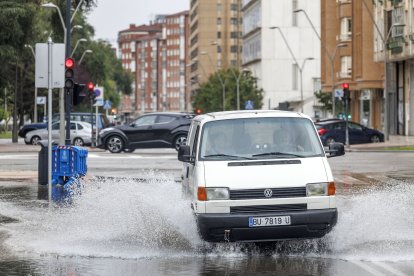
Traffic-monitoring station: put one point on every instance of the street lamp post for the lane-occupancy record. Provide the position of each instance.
(238, 84)
(83, 55)
(35, 95)
(300, 68)
(76, 45)
(330, 56)
(66, 41)
(301, 81)
(219, 77)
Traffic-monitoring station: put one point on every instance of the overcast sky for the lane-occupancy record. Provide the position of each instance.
(112, 16)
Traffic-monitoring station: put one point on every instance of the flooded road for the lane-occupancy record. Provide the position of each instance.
(130, 227)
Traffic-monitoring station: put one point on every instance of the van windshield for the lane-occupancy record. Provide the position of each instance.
(259, 138)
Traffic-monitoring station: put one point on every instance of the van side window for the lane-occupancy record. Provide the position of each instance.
(195, 144)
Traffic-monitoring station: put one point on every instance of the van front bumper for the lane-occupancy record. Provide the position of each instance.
(304, 224)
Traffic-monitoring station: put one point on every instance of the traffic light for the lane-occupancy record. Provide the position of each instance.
(92, 94)
(345, 88)
(69, 74)
(198, 111)
(78, 93)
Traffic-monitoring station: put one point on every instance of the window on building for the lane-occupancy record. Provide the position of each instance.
(346, 28)
(233, 49)
(233, 21)
(233, 7)
(218, 20)
(218, 34)
(346, 66)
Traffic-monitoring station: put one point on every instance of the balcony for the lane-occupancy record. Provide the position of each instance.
(344, 75)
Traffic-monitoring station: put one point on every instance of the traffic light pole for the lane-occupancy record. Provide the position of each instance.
(92, 136)
(68, 92)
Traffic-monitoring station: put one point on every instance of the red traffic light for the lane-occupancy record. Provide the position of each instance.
(69, 63)
(198, 111)
(345, 85)
(91, 86)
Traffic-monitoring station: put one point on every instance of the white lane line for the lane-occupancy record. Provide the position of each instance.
(390, 269)
(17, 156)
(133, 156)
(367, 268)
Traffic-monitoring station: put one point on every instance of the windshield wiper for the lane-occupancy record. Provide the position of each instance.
(226, 155)
(278, 153)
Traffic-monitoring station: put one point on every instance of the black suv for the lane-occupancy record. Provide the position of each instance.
(152, 130)
(74, 116)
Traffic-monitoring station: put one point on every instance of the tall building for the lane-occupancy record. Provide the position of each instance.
(282, 50)
(395, 21)
(348, 57)
(215, 38)
(127, 54)
(174, 91)
(157, 55)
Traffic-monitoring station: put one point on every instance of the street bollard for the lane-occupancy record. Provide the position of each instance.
(42, 162)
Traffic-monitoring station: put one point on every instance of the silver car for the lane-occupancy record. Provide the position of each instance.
(80, 134)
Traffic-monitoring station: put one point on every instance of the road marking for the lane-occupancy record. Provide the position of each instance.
(390, 269)
(17, 156)
(367, 268)
(132, 156)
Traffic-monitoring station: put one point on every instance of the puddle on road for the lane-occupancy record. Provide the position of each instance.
(145, 220)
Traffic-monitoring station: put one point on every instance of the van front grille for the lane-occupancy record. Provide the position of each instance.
(269, 208)
(260, 193)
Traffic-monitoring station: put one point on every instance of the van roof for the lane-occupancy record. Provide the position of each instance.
(224, 115)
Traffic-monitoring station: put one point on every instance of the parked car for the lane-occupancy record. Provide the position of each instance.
(334, 131)
(258, 175)
(103, 122)
(80, 134)
(153, 130)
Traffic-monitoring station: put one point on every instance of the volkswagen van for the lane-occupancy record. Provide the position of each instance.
(258, 176)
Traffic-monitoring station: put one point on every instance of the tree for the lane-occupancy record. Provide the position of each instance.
(209, 97)
(325, 99)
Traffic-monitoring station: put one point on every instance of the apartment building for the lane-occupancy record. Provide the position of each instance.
(127, 54)
(157, 55)
(282, 50)
(215, 38)
(174, 74)
(348, 57)
(395, 21)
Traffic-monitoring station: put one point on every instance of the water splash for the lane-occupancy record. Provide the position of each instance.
(130, 219)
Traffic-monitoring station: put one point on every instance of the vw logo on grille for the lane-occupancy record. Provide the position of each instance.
(268, 193)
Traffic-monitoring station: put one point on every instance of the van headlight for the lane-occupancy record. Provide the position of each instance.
(320, 189)
(213, 193)
(316, 189)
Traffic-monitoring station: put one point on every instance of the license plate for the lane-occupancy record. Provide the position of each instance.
(269, 221)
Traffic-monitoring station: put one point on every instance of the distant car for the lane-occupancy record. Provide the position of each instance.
(103, 122)
(333, 130)
(80, 134)
(153, 130)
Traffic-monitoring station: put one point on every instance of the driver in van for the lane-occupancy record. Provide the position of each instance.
(216, 143)
(286, 140)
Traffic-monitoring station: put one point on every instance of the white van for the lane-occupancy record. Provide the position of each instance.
(258, 176)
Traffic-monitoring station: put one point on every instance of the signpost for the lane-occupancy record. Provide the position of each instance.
(249, 105)
(49, 73)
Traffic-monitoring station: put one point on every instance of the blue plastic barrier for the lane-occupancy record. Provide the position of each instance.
(68, 165)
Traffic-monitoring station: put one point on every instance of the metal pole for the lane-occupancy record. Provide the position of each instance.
(49, 121)
(346, 122)
(35, 107)
(68, 91)
(333, 88)
(301, 89)
(92, 137)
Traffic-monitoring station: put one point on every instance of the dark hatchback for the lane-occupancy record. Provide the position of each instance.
(334, 131)
(152, 130)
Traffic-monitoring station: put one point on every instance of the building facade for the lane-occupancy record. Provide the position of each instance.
(395, 35)
(282, 50)
(348, 57)
(215, 38)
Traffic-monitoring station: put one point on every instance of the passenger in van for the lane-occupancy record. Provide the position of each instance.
(287, 140)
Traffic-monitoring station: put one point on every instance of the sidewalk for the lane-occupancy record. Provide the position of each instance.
(394, 141)
(6, 145)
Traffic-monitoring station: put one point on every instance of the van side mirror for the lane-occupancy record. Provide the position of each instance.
(336, 149)
(184, 154)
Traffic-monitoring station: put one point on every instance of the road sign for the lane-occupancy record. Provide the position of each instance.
(99, 91)
(41, 100)
(58, 65)
(249, 105)
(339, 93)
(107, 104)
